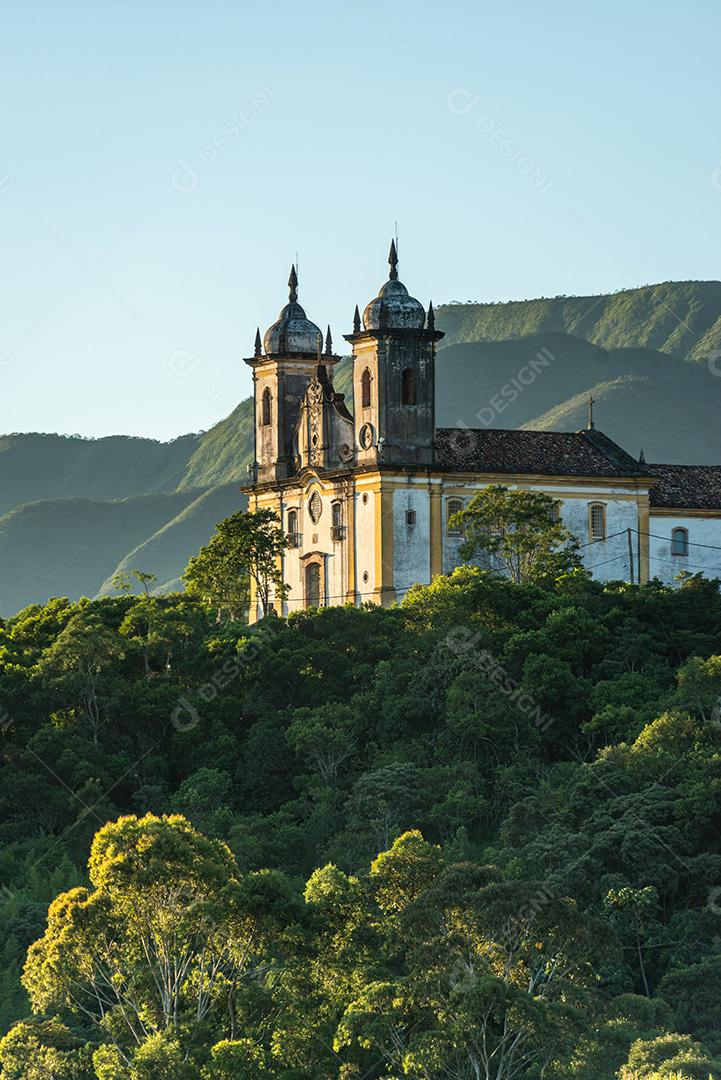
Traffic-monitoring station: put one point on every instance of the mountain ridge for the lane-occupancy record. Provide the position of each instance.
(74, 511)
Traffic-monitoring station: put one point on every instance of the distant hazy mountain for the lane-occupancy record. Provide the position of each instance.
(75, 511)
(645, 400)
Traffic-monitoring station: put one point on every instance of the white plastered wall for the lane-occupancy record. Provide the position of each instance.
(700, 559)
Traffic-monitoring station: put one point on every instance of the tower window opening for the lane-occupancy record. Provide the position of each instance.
(410, 517)
(408, 386)
(679, 541)
(366, 389)
(266, 411)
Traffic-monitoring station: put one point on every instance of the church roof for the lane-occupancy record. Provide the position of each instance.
(551, 453)
(293, 331)
(394, 307)
(690, 487)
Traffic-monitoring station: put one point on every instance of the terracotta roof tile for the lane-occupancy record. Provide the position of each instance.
(690, 487)
(552, 453)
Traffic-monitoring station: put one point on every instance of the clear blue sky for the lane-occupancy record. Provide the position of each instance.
(525, 149)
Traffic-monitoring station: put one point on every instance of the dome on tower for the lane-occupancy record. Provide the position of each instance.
(292, 332)
(394, 308)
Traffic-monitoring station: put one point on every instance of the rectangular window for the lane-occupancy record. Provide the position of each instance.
(410, 517)
(679, 542)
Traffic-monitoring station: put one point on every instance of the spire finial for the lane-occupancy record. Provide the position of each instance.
(591, 403)
(328, 343)
(293, 285)
(642, 458)
(356, 321)
(258, 343)
(431, 317)
(393, 261)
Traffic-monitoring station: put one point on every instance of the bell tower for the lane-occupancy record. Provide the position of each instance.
(285, 362)
(394, 353)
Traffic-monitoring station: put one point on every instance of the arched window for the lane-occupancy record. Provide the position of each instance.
(596, 522)
(366, 389)
(266, 411)
(408, 386)
(292, 524)
(453, 507)
(312, 585)
(679, 541)
(337, 529)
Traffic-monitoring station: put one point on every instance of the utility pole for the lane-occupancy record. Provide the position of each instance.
(630, 554)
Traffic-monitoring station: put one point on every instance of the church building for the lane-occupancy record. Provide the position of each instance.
(366, 489)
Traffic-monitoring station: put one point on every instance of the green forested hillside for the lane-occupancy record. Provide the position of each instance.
(680, 318)
(36, 466)
(539, 769)
(638, 353)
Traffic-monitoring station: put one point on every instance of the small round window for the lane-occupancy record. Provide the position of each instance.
(315, 507)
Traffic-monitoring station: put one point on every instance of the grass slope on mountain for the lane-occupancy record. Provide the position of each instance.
(681, 318)
(224, 452)
(644, 399)
(167, 551)
(67, 547)
(37, 466)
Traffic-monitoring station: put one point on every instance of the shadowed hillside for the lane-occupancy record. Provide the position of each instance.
(166, 552)
(644, 399)
(65, 547)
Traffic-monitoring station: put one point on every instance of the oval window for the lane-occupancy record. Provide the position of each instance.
(315, 507)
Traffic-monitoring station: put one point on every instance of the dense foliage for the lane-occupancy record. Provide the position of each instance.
(540, 769)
